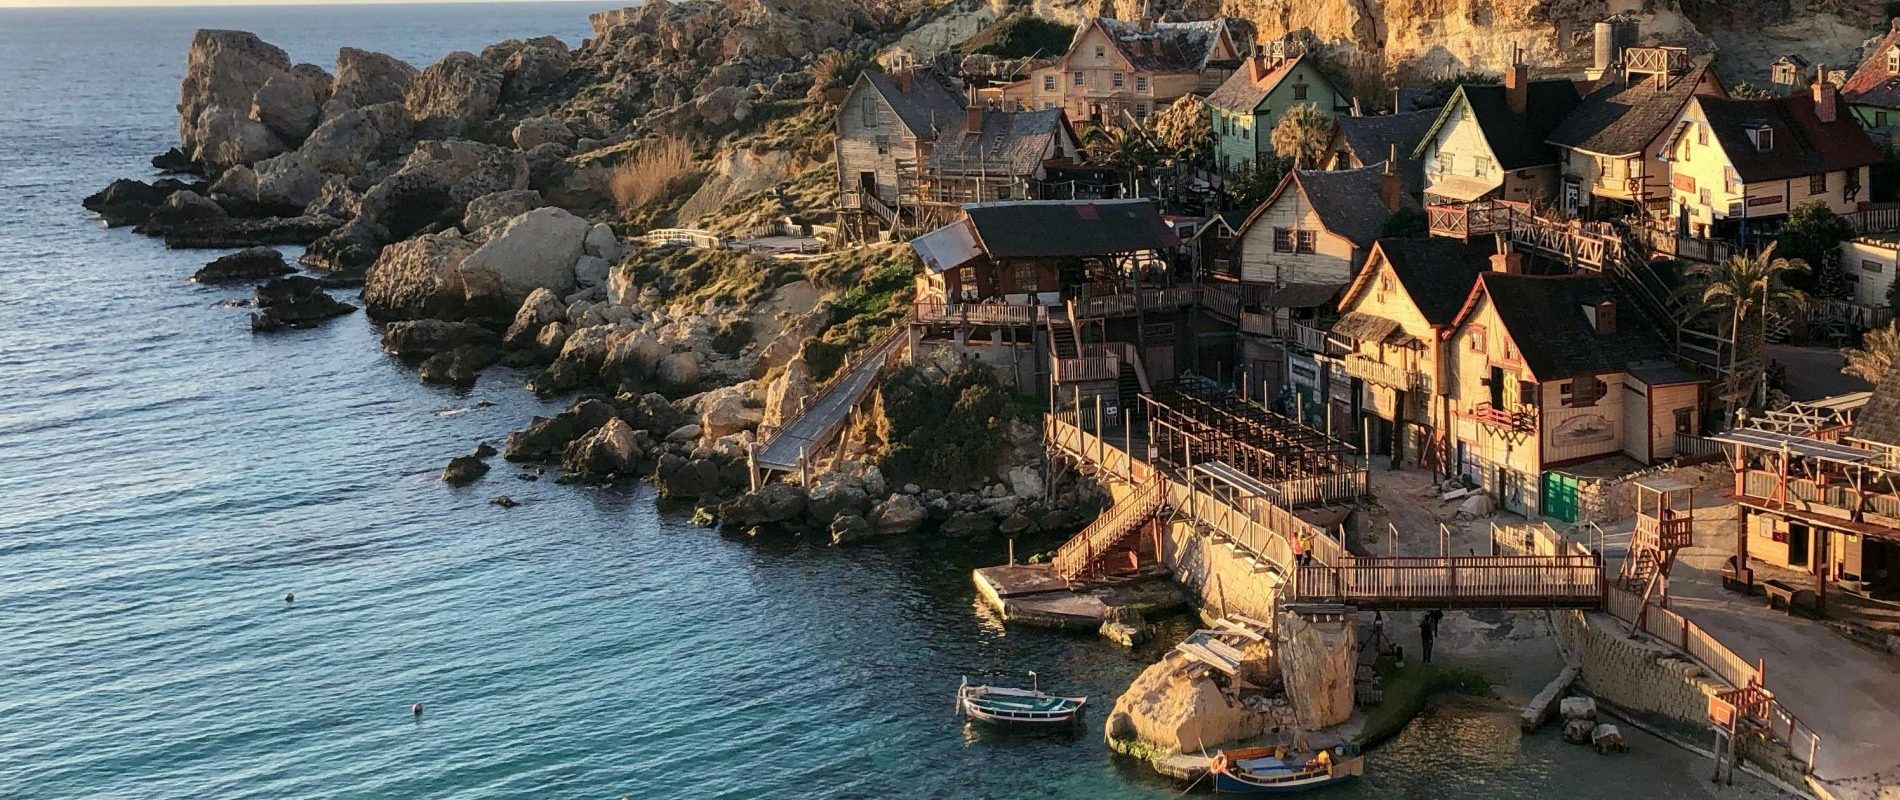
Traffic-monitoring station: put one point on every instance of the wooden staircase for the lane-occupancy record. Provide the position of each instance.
(1653, 548)
(1084, 555)
(1062, 341)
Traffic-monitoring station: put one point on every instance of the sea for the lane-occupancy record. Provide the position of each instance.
(167, 478)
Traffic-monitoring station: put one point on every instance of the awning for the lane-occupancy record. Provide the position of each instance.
(946, 248)
(1462, 188)
(1303, 295)
(1364, 327)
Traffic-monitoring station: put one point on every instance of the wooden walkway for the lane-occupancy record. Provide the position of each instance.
(820, 422)
(1315, 566)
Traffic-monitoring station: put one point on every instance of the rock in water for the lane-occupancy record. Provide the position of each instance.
(296, 301)
(129, 202)
(1577, 708)
(532, 251)
(1607, 739)
(463, 470)
(547, 438)
(774, 503)
(540, 308)
(612, 450)
(254, 263)
(1577, 731)
(422, 338)
(458, 367)
(898, 514)
(503, 500)
(417, 277)
(223, 72)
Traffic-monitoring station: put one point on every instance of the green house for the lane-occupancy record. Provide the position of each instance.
(1249, 103)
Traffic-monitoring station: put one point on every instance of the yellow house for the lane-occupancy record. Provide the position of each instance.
(1117, 70)
(1317, 227)
(1543, 371)
(1735, 161)
(1392, 321)
(1489, 142)
(1612, 143)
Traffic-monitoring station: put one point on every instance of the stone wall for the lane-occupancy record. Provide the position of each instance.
(1319, 657)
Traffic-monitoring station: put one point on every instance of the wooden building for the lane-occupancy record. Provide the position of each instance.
(1872, 91)
(1250, 102)
(1364, 141)
(1611, 144)
(993, 155)
(1116, 71)
(886, 127)
(1317, 227)
(1491, 142)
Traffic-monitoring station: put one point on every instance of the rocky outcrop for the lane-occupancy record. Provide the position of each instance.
(681, 478)
(290, 104)
(724, 412)
(788, 394)
(541, 307)
(547, 438)
(1169, 709)
(529, 66)
(453, 94)
(351, 140)
(536, 250)
(296, 301)
(612, 450)
(772, 504)
(463, 470)
(250, 264)
(498, 207)
(365, 78)
(223, 72)
(1317, 661)
(898, 514)
(459, 366)
(582, 354)
(187, 208)
(129, 202)
(422, 338)
(417, 277)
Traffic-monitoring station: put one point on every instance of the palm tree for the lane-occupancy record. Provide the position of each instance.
(1875, 355)
(1303, 134)
(1125, 150)
(1744, 289)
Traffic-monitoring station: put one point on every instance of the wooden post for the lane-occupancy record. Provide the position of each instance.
(1101, 436)
(752, 464)
(804, 468)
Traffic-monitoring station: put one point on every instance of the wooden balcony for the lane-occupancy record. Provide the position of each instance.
(1313, 340)
(1669, 533)
(1465, 220)
(1522, 419)
(1388, 375)
(1829, 502)
(978, 313)
(1656, 60)
(1131, 303)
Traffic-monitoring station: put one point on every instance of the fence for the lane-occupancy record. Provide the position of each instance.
(1876, 218)
(684, 237)
(978, 313)
(1516, 581)
(1317, 489)
(1697, 449)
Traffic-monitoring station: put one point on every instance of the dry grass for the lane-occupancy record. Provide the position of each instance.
(652, 173)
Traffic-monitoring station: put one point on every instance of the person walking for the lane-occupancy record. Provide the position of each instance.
(1428, 631)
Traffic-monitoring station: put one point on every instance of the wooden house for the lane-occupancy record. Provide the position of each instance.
(1739, 166)
(1789, 71)
(1250, 102)
(1610, 146)
(886, 126)
(1116, 71)
(1317, 227)
(1492, 142)
(1547, 371)
(1363, 141)
(994, 155)
(1872, 91)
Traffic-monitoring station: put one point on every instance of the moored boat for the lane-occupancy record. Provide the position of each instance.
(1003, 705)
(1265, 770)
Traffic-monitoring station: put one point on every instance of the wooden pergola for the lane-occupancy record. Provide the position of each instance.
(1191, 421)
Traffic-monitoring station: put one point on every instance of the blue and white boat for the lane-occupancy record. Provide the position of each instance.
(1003, 705)
(1264, 770)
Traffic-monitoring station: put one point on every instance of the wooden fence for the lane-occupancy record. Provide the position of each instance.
(978, 313)
(1455, 581)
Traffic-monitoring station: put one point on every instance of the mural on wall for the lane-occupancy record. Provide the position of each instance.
(1583, 429)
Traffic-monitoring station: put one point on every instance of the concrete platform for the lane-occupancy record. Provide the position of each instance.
(1033, 594)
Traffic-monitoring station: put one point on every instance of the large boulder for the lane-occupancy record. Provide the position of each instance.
(1170, 708)
(601, 243)
(417, 277)
(495, 207)
(1318, 661)
(186, 207)
(540, 308)
(249, 264)
(772, 504)
(547, 438)
(533, 251)
(612, 450)
(900, 513)
(678, 372)
(365, 78)
(787, 394)
(347, 250)
(724, 412)
(130, 202)
(224, 137)
(223, 72)
(282, 185)
(681, 478)
(582, 354)
(453, 94)
(536, 131)
(532, 66)
(421, 338)
(458, 367)
(290, 103)
(295, 301)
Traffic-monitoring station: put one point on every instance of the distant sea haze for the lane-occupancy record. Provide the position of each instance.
(168, 477)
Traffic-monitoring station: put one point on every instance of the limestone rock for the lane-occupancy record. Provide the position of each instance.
(129, 202)
(280, 185)
(724, 412)
(534, 250)
(849, 530)
(678, 477)
(226, 137)
(187, 207)
(254, 263)
(1167, 711)
(418, 277)
(497, 207)
(290, 103)
(294, 301)
(1318, 661)
(969, 525)
(1577, 731)
(540, 308)
(422, 338)
(459, 366)
(463, 470)
(1025, 482)
(1578, 708)
(579, 362)
(547, 438)
(534, 65)
(452, 94)
(1607, 739)
(898, 514)
(223, 72)
(773, 503)
(601, 243)
(365, 78)
(536, 131)
(609, 451)
(349, 140)
(678, 372)
(591, 271)
(788, 394)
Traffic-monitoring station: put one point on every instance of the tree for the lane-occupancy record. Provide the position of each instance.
(1303, 134)
(1185, 129)
(1125, 150)
(1257, 184)
(1741, 290)
(1405, 223)
(1875, 355)
(1813, 234)
(1748, 91)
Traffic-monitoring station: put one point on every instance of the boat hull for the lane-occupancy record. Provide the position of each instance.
(1005, 706)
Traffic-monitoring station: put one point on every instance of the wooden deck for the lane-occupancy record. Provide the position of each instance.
(813, 429)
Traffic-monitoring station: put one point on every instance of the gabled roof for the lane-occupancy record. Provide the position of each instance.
(1371, 139)
(1067, 228)
(1879, 420)
(1802, 143)
(1436, 273)
(928, 105)
(1010, 143)
(1621, 118)
(1164, 46)
(1544, 317)
(1347, 201)
(1517, 141)
(1872, 84)
(1249, 86)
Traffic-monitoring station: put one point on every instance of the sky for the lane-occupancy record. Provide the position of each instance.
(122, 3)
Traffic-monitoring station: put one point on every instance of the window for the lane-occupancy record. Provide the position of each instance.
(1048, 83)
(1299, 91)
(1880, 119)
(1868, 265)
(1115, 80)
(1141, 112)
(1764, 139)
(869, 110)
(1304, 243)
(1141, 83)
(1025, 278)
(1476, 338)
(1584, 391)
(1684, 422)
(1701, 134)
(1526, 393)
(1078, 77)
(883, 145)
(1480, 165)
(1282, 240)
(1817, 184)
(1893, 59)
(1702, 196)
(1731, 181)
(1100, 52)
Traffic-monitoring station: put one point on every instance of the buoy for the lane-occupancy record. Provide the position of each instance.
(416, 709)
(290, 598)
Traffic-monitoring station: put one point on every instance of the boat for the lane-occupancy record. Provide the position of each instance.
(1003, 705)
(1267, 770)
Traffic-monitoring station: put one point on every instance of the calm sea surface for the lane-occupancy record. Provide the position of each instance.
(165, 477)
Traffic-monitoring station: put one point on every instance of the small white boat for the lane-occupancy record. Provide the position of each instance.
(1003, 705)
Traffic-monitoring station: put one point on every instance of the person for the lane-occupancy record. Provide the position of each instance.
(1428, 631)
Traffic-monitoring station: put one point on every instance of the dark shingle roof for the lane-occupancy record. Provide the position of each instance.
(1436, 273)
(1068, 228)
(1243, 91)
(929, 105)
(1347, 200)
(1010, 143)
(1879, 420)
(1620, 119)
(1166, 46)
(1544, 318)
(1872, 83)
(1371, 139)
(1517, 141)
(1803, 144)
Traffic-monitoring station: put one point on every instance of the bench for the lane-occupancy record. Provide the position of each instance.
(1788, 596)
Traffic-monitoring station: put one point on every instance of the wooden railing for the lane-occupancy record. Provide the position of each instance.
(1875, 218)
(1389, 375)
(1338, 487)
(1522, 419)
(1666, 242)
(1081, 554)
(1697, 448)
(1258, 324)
(1673, 533)
(1115, 305)
(1465, 220)
(1312, 339)
(1465, 581)
(684, 237)
(978, 313)
(1221, 301)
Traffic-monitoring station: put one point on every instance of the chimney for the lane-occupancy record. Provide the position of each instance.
(1826, 96)
(1517, 80)
(902, 79)
(1257, 67)
(1389, 191)
(973, 114)
(1508, 261)
(1356, 110)
(1605, 317)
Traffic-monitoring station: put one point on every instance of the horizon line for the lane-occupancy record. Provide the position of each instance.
(95, 4)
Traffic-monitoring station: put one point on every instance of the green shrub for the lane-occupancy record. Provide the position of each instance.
(943, 430)
(1020, 35)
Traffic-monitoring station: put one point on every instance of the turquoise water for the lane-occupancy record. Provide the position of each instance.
(165, 477)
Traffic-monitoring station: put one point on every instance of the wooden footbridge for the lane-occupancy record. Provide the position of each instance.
(791, 446)
(1246, 513)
